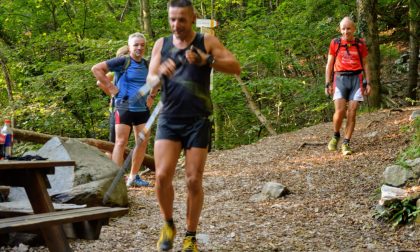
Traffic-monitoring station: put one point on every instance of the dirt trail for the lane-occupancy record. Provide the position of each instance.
(329, 209)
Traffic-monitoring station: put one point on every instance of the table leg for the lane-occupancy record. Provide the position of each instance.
(36, 189)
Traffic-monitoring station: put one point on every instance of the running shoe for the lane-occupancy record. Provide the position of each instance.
(332, 145)
(189, 244)
(345, 149)
(136, 182)
(166, 239)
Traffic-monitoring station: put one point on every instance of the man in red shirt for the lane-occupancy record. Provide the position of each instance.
(345, 68)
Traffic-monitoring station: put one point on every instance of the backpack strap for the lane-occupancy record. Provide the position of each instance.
(117, 76)
(338, 42)
(357, 42)
(126, 63)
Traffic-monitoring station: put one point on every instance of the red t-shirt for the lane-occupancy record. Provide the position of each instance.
(348, 60)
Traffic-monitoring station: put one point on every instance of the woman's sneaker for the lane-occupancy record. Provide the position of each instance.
(136, 182)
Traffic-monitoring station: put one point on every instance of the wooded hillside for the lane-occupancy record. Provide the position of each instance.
(47, 48)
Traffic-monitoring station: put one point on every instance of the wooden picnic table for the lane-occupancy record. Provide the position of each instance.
(32, 175)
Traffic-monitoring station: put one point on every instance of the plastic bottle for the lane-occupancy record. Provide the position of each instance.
(2, 139)
(7, 135)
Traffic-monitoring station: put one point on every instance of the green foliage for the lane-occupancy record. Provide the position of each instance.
(413, 151)
(389, 51)
(51, 45)
(399, 212)
(289, 104)
(405, 211)
(74, 106)
(20, 148)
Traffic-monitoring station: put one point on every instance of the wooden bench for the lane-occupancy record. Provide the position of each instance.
(82, 223)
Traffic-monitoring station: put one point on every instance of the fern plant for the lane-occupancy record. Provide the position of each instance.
(399, 212)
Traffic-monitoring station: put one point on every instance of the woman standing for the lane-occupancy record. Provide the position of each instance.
(130, 110)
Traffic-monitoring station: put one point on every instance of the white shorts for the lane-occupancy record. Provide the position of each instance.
(348, 87)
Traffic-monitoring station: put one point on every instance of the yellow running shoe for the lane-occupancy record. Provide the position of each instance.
(189, 244)
(332, 145)
(345, 149)
(166, 239)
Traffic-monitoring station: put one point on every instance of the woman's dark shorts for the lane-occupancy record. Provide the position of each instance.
(126, 117)
(191, 132)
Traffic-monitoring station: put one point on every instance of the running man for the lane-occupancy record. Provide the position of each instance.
(183, 123)
(345, 67)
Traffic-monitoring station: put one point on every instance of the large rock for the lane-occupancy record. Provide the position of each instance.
(270, 190)
(87, 183)
(396, 175)
(415, 166)
(414, 115)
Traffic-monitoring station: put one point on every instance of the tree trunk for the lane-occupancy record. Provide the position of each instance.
(368, 27)
(147, 18)
(127, 3)
(41, 138)
(413, 85)
(141, 18)
(7, 79)
(254, 108)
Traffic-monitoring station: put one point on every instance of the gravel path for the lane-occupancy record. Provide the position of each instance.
(330, 207)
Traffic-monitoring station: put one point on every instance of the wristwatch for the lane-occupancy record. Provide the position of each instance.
(210, 60)
(327, 85)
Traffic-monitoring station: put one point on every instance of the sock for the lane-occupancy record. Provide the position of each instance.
(337, 135)
(170, 222)
(346, 141)
(189, 233)
(131, 177)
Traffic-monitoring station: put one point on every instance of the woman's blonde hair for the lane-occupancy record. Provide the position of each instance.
(122, 51)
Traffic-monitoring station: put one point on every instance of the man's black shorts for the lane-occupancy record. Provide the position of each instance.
(123, 116)
(191, 132)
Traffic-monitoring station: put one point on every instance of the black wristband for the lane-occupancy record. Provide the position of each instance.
(210, 60)
(327, 85)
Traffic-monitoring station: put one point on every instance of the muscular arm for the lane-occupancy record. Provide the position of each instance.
(155, 58)
(329, 69)
(156, 68)
(366, 76)
(154, 65)
(328, 73)
(99, 71)
(110, 76)
(225, 61)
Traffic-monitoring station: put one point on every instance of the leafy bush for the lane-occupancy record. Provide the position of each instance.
(399, 212)
(288, 104)
(413, 151)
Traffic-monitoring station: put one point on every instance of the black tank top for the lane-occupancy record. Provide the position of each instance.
(187, 93)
